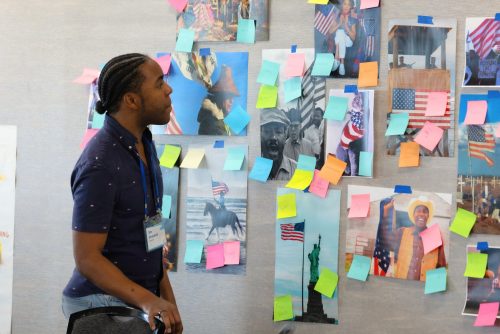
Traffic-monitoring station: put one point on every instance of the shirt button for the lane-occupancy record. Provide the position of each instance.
(130, 147)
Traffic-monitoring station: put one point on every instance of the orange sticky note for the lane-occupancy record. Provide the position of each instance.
(332, 169)
(436, 103)
(231, 252)
(476, 112)
(360, 206)
(318, 185)
(431, 238)
(429, 136)
(295, 65)
(368, 74)
(369, 4)
(87, 77)
(89, 134)
(409, 154)
(164, 62)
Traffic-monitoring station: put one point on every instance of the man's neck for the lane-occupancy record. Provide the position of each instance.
(131, 124)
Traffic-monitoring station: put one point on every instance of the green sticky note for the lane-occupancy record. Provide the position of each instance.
(194, 250)
(306, 162)
(185, 40)
(170, 155)
(336, 108)
(327, 282)
(268, 96)
(286, 206)
(166, 206)
(463, 222)
(476, 265)
(397, 124)
(323, 64)
(360, 267)
(268, 73)
(234, 159)
(283, 308)
(246, 31)
(435, 280)
(97, 120)
(293, 88)
(365, 163)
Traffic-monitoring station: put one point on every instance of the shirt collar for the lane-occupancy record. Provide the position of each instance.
(126, 138)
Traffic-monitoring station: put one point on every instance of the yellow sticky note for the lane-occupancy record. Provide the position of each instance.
(283, 308)
(301, 179)
(476, 265)
(170, 155)
(409, 154)
(287, 206)
(193, 158)
(327, 282)
(368, 74)
(268, 96)
(333, 169)
(318, 2)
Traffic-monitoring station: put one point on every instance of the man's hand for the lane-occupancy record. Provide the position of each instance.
(168, 313)
(387, 207)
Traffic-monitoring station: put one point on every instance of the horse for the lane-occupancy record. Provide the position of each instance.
(222, 218)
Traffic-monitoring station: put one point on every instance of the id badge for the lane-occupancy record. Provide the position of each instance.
(154, 233)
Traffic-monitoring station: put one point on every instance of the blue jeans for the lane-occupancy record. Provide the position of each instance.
(75, 304)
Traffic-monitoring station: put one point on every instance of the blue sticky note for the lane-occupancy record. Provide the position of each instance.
(397, 124)
(482, 245)
(336, 108)
(166, 206)
(425, 19)
(268, 73)
(219, 144)
(493, 108)
(293, 88)
(185, 40)
(360, 267)
(234, 159)
(351, 89)
(402, 189)
(246, 31)
(306, 162)
(261, 169)
(194, 250)
(293, 49)
(497, 17)
(365, 163)
(323, 64)
(435, 280)
(204, 52)
(97, 120)
(237, 119)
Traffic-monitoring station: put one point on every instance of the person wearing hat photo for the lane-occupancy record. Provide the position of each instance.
(217, 105)
(296, 144)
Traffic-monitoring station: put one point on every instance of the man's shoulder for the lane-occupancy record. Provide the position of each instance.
(102, 150)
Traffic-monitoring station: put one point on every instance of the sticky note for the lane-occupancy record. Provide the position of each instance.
(333, 169)
(295, 65)
(179, 5)
(301, 179)
(360, 267)
(435, 280)
(429, 136)
(235, 158)
(409, 154)
(497, 17)
(360, 206)
(293, 48)
(368, 74)
(193, 158)
(215, 256)
(306, 162)
(204, 52)
(327, 282)
(164, 62)
(283, 308)
(268, 73)
(482, 245)
(268, 96)
(219, 144)
(170, 155)
(318, 185)
(476, 265)
(89, 134)
(436, 103)
(97, 120)
(402, 189)
(237, 119)
(246, 31)
(431, 238)
(293, 88)
(185, 40)
(497, 131)
(336, 108)
(88, 76)
(365, 167)
(463, 222)
(369, 4)
(194, 251)
(323, 64)
(476, 112)
(166, 206)
(231, 252)
(424, 19)
(487, 314)
(261, 169)
(351, 89)
(286, 206)
(318, 2)
(397, 124)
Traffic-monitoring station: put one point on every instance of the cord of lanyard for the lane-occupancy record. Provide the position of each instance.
(144, 184)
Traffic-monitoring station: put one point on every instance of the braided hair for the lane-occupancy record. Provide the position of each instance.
(120, 75)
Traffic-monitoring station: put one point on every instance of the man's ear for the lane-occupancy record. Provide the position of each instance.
(132, 101)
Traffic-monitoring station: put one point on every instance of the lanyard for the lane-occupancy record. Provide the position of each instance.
(144, 183)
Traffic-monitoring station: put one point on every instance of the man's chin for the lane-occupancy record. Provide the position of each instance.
(273, 155)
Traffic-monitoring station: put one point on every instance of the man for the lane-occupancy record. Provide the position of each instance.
(315, 132)
(402, 63)
(273, 129)
(295, 144)
(117, 190)
(432, 64)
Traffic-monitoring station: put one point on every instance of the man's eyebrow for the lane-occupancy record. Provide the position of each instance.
(160, 77)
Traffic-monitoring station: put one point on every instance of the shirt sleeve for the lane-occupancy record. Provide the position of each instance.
(94, 192)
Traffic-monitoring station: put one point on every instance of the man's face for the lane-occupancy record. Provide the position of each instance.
(272, 140)
(420, 216)
(401, 60)
(227, 104)
(155, 95)
(317, 117)
(294, 131)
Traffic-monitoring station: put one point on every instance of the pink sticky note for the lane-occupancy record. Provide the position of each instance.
(164, 62)
(487, 314)
(360, 206)
(88, 76)
(476, 112)
(89, 134)
(318, 185)
(369, 4)
(295, 65)
(179, 5)
(215, 256)
(497, 131)
(436, 104)
(232, 252)
(431, 238)
(429, 136)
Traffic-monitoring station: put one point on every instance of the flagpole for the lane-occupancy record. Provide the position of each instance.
(303, 252)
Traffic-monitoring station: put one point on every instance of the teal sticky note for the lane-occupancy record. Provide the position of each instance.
(306, 162)
(293, 88)
(268, 73)
(237, 120)
(323, 64)
(194, 250)
(365, 163)
(397, 124)
(235, 158)
(166, 206)
(246, 31)
(97, 120)
(185, 40)
(261, 169)
(360, 267)
(336, 108)
(435, 280)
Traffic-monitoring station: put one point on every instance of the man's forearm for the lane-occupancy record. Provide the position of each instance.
(166, 291)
